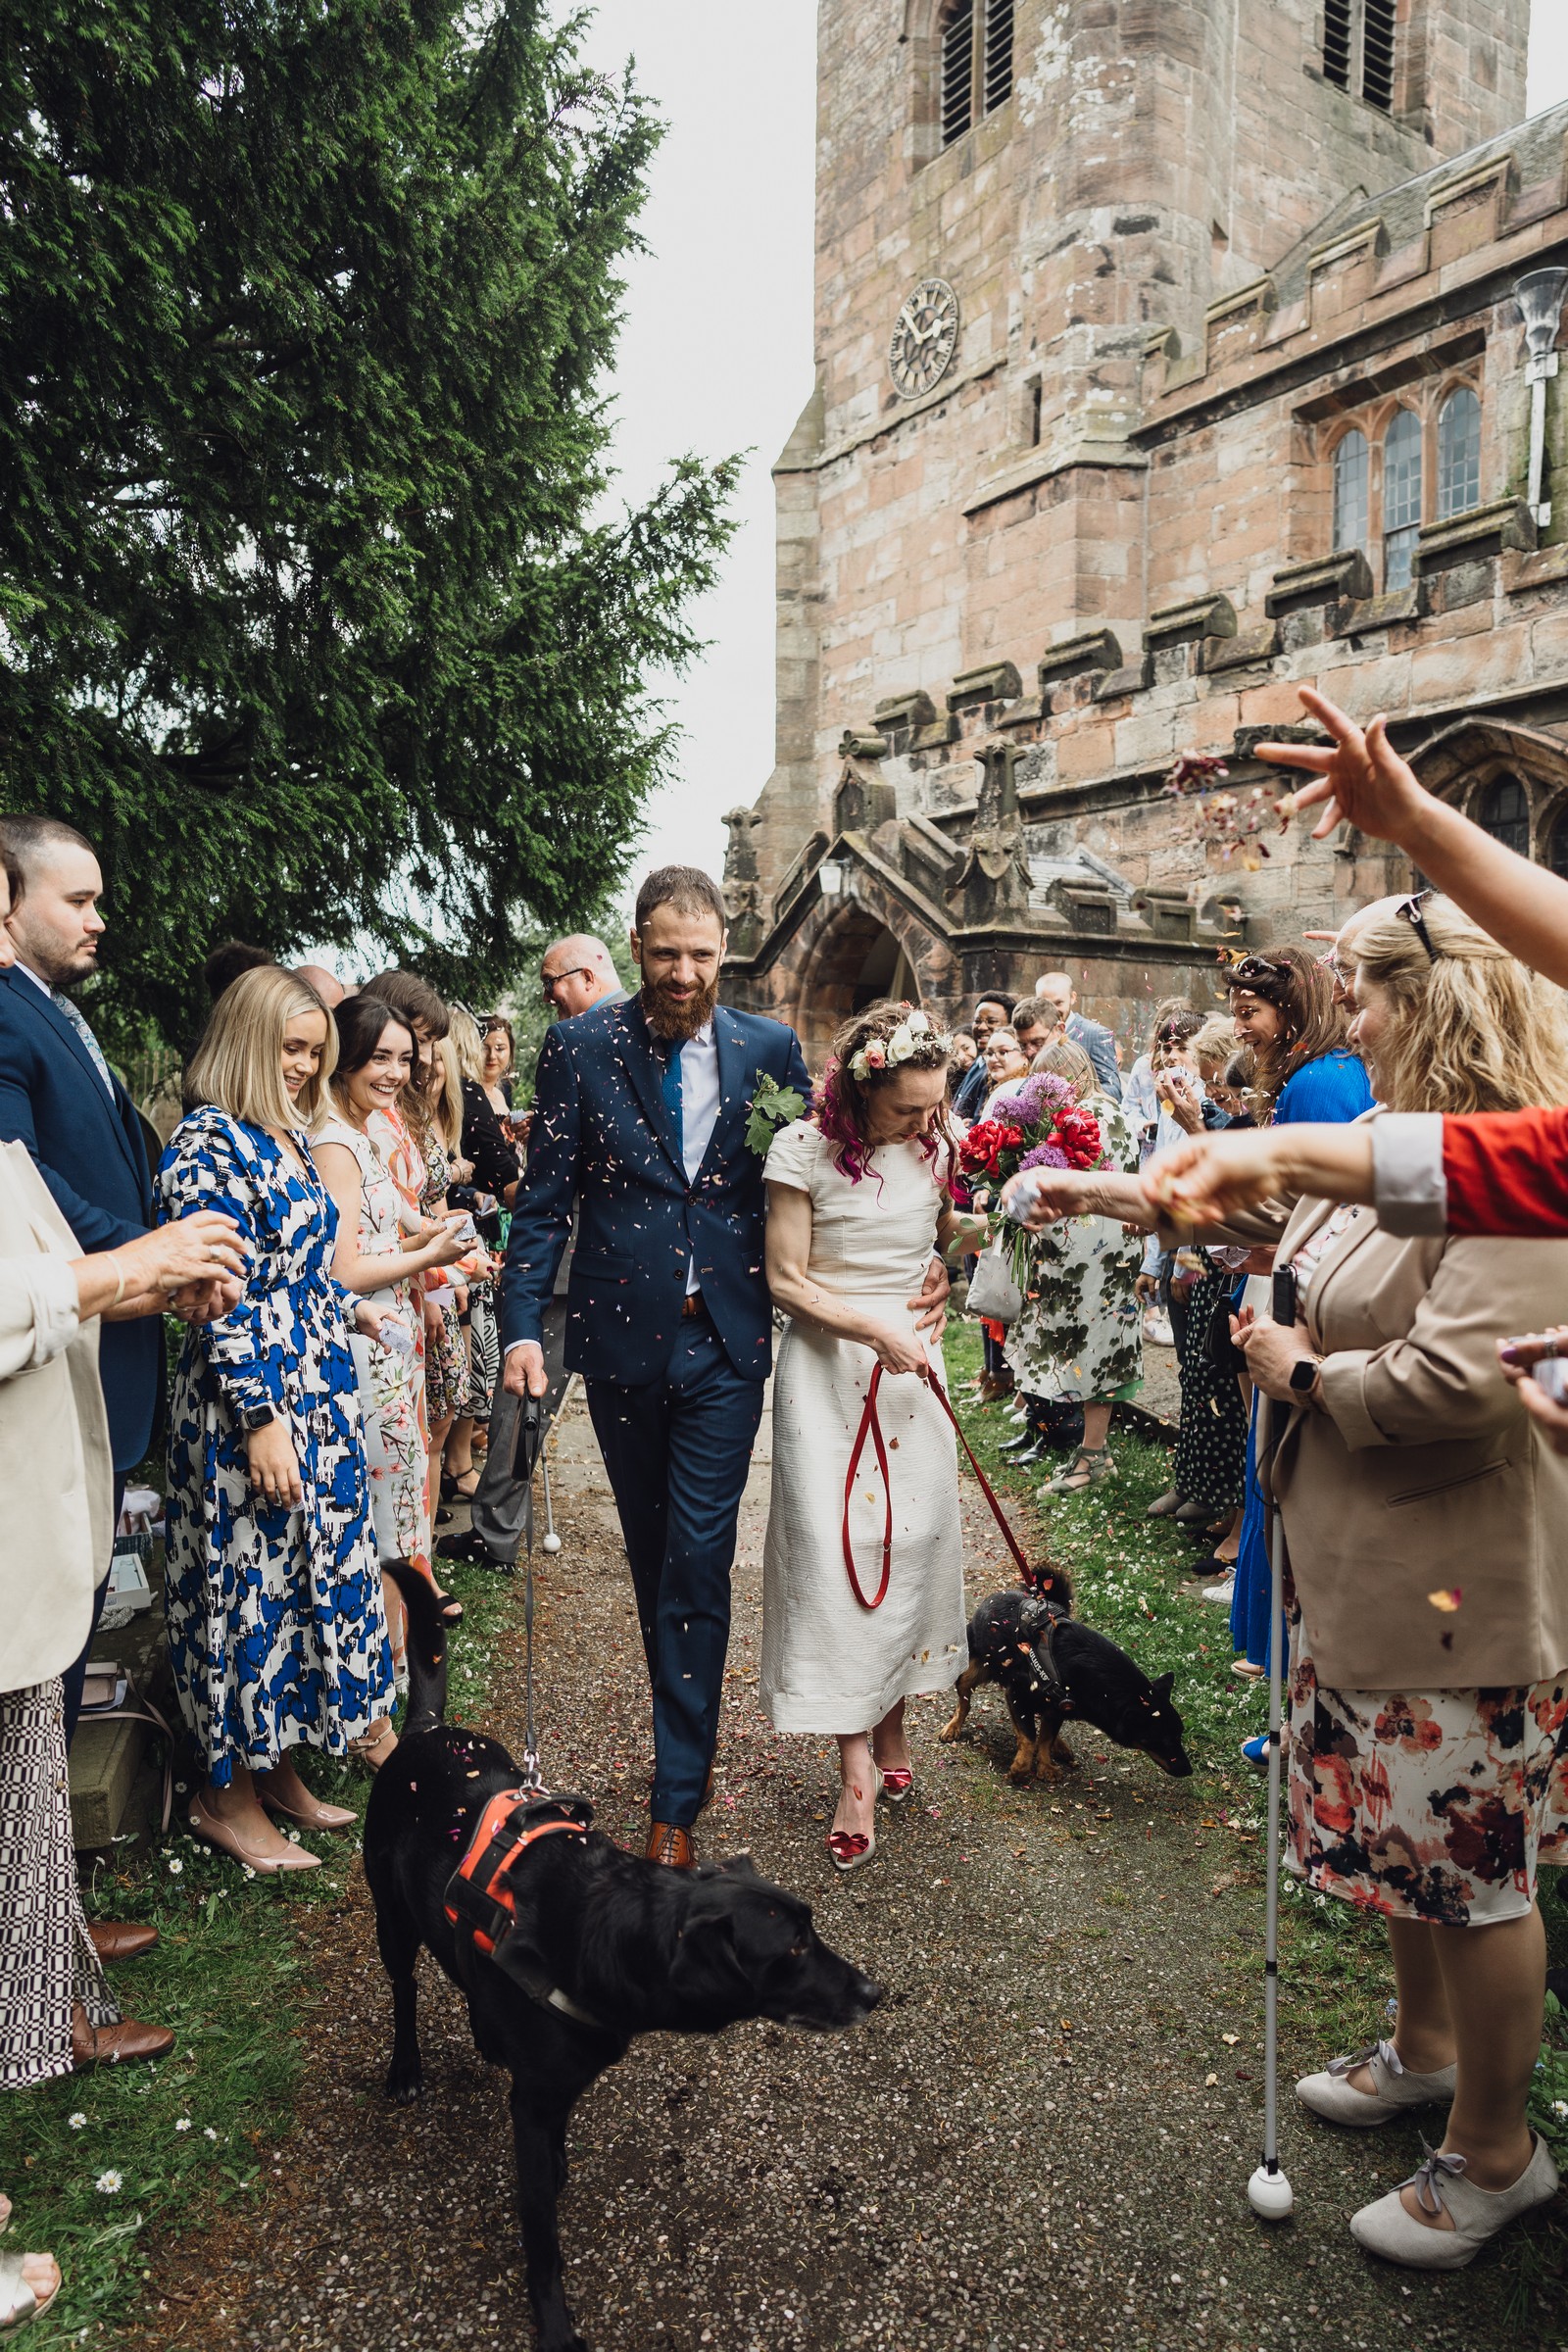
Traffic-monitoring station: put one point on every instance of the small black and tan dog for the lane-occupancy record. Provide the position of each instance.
(601, 1945)
(1052, 1669)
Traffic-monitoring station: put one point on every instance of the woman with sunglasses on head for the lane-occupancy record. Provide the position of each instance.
(1425, 1527)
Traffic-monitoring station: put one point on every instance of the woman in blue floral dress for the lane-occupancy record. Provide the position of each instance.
(272, 1592)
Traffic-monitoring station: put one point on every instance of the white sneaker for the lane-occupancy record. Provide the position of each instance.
(1221, 1592)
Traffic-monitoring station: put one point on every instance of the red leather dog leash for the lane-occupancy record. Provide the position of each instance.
(871, 1426)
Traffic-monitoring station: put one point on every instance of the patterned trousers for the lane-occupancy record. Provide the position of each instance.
(46, 1957)
(484, 1349)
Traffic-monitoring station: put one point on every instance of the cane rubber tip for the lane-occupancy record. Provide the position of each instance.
(552, 1542)
(1270, 2195)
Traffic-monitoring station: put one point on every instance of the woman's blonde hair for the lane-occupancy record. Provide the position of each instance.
(1215, 1043)
(1471, 1028)
(446, 1106)
(238, 1066)
(1064, 1059)
(466, 1035)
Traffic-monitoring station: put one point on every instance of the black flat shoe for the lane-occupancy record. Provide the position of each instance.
(472, 1554)
(1027, 1443)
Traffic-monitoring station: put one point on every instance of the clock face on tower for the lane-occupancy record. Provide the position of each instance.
(925, 337)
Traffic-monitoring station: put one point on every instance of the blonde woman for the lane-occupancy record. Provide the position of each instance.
(277, 1631)
(446, 1288)
(1428, 1538)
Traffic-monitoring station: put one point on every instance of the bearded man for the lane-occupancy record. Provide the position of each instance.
(640, 1113)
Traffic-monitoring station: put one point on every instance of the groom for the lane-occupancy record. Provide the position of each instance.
(640, 1114)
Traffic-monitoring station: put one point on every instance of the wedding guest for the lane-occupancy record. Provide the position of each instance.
(500, 1053)
(1426, 1534)
(1006, 1062)
(276, 1634)
(56, 1485)
(327, 986)
(1139, 1097)
(1079, 1337)
(990, 1012)
(225, 963)
(858, 1200)
(578, 972)
(382, 1248)
(1096, 1040)
(493, 1171)
(1034, 1024)
(962, 1056)
(446, 1288)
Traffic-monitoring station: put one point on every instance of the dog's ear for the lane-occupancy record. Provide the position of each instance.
(1164, 1687)
(706, 1961)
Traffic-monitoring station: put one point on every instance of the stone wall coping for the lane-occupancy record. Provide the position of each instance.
(913, 710)
(1369, 235)
(1090, 649)
(1043, 464)
(992, 682)
(1479, 531)
(1500, 167)
(1324, 580)
(1193, 618)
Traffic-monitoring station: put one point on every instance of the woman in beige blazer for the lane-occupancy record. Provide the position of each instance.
(1426, 1534)
(56, 1505)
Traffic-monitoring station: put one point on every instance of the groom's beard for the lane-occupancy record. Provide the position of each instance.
(671, 1016)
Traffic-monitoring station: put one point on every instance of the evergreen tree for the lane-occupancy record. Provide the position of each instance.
(310, 615)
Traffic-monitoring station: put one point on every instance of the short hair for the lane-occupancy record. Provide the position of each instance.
(686, 888)
(992, 997)
(25, 839)
(1030, 1013)
(226, 963)
(238, 1064)
(411, 1000)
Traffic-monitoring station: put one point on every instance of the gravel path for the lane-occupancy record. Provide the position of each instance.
(1041, 2140)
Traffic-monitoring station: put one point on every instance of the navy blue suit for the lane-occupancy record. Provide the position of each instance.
(88, 1149)
(675, 1398)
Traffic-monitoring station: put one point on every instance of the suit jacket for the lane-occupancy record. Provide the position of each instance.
(602, 1138)
(56, 1476)
(88, 1149)
(1424, 1473)
(972, 1090)
(1101, 1047)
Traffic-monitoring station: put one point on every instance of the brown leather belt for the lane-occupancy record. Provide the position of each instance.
(690, 1305)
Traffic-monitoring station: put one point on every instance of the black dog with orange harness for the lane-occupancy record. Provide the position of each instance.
(565, 1945)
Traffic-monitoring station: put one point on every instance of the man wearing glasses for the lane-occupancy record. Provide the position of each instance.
(576, 973)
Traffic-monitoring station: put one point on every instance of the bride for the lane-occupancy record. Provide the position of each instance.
(857, 1202)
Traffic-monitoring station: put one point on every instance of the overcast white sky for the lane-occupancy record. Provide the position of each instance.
(717, 352)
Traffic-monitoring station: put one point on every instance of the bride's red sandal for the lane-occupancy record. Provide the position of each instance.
(897, 1783)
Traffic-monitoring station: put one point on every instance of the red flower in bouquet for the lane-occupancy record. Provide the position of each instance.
(982, 1150)
(1078, 1134)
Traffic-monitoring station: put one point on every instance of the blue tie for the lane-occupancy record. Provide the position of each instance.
(669, 1087)
(78, 1022)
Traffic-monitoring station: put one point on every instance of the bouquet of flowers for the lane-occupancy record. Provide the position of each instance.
(1035, 1124)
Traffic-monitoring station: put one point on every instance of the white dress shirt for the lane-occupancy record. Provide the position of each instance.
(698, 1112)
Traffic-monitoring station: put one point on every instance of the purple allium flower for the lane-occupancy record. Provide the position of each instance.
(1042, 1095)
(1044, 1155)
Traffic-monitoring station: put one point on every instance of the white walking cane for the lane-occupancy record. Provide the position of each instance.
(1269, 2192)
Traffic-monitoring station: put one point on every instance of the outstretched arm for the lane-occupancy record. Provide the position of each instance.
(1363, 782)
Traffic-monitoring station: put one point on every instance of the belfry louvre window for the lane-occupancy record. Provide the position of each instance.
(1358, 52)
(976, 63)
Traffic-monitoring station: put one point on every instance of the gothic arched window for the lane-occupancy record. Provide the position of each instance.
(1557, 847)
(1458, 453)
(1350, 492)
(976, 63)
(1505, 814)
(1402, 497)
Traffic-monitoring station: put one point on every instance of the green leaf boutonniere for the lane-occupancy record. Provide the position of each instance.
(772, 1106)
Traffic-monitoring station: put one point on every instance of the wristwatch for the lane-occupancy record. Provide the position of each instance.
(256, 1416)
(1303, 1374)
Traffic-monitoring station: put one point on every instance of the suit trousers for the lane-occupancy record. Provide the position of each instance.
(677, 1452)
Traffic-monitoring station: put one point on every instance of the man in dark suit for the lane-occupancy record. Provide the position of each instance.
(60, 1097)
(640, 1117)
(1094, 1039)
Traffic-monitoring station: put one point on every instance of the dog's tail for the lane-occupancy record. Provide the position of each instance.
(426, 1648)
(1052, 1584)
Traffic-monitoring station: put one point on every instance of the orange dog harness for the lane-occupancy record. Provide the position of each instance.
(480, 1900)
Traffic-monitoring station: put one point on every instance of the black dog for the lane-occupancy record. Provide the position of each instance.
(1050, 1668)
(604, 1945)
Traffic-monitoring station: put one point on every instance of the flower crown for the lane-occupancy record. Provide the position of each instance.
(913, 1033)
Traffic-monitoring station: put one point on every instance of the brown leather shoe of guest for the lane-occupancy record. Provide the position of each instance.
(113, 2046)
(118, 1939)
(671, 1845)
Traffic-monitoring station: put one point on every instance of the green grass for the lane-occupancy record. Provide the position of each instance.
(201, 2128)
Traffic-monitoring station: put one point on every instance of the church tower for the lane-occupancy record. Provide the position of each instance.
(1018, 202)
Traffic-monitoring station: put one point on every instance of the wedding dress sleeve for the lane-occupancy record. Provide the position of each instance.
(792, 1156)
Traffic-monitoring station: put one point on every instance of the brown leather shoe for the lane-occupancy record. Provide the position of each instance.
(113, 2046)
(117, 1939)
(671, 1845)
